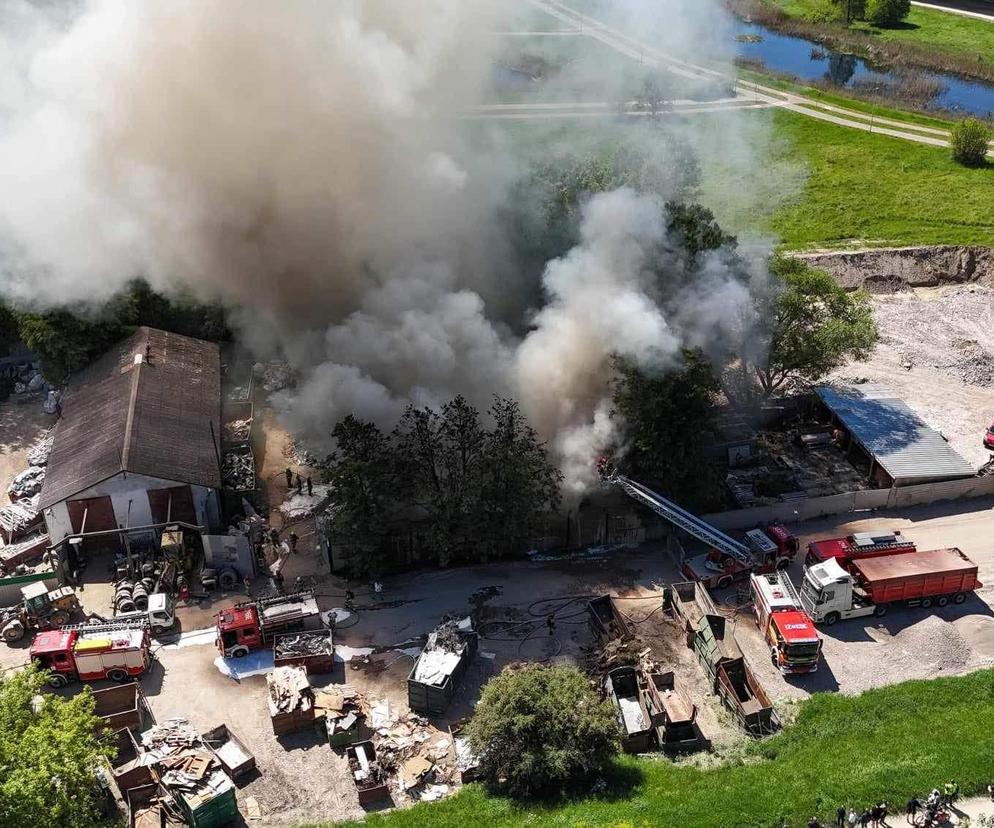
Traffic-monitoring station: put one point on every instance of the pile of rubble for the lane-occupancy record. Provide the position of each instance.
(238, 469)
(289, 691)
(27, 483)
(184, 764)
(237, 431)
(27, 379)
(442, 652)
(304, 644)
(297, 454)
(275, 375)
(38, 453)
(19, 518)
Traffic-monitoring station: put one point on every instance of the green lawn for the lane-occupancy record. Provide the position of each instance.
(953, 33)
(884, 744)
(863, 188)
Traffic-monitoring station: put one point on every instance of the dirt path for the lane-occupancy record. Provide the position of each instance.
(809, 107)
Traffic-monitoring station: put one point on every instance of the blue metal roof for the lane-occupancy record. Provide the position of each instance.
(897, 438)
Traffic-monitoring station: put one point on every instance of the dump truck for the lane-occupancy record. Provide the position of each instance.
(795, 646)
(90, 652)
(829, 593)
(39, 609)
(622, 688)
(251, 625)
(861, 545)
(770, 548)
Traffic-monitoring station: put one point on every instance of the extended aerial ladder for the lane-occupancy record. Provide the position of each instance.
(691, 524)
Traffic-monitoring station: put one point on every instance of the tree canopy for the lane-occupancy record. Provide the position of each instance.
(472, 487)
(809, 325)
(541, 730)
(48, 755)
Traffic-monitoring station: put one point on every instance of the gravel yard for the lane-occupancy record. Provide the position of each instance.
(936, 351)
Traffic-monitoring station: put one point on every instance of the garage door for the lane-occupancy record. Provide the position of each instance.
(181, 508)
(97, 511)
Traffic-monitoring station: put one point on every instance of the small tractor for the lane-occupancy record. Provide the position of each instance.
(39, 610)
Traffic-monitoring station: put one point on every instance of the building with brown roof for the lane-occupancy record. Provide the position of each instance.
(137, 443)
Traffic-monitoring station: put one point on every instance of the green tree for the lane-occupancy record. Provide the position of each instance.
(520, 484)
(808, 326)
(885, 13)
(667, 415)
(48, 755)
(541, 730)
(362, 473)
(64, 342)
(970, 142)
(441, 457)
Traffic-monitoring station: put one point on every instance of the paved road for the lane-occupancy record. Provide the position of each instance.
(606, 109)
(968, 8)
(745, 91)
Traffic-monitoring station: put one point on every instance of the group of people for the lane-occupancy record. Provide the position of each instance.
(300, 483)
(928, 813)
(875, 816)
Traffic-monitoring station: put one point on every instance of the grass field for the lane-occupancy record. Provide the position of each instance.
(885, 744)
(863, 188)
(951, 33)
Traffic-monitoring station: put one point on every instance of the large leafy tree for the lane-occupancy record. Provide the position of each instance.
(667, 414)
(48, 755)
(362, 472)
(808, 326)
(541, 730)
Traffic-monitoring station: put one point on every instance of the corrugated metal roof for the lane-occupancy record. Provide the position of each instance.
(146, 407)
(893, 434)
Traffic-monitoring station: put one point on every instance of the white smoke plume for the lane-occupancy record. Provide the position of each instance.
(304, 162)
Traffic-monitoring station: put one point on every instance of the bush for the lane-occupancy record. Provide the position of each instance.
(542, 730)
(886, 12)
(969, 141)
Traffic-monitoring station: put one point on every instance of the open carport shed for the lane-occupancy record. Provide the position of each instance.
(903, 450)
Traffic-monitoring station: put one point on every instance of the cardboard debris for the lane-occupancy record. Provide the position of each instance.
(289, 690)
(413, 771)
(252, 808)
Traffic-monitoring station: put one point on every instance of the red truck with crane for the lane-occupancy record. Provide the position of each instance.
(861, 545)
(90, 652)
(795, 646)
(251, 625)
(938, 576)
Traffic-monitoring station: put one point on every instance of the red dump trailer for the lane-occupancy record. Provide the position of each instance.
(936, 574)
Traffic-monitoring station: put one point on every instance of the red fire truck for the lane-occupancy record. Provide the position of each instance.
(252, 624)
(770, 548)
(795, 645)
(858, 546)
(90, 652)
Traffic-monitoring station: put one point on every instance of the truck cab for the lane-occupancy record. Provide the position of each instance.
(829, 594)
(53, 651)
(772, 550)
(861, 545)
(238, 631)
(795, 646)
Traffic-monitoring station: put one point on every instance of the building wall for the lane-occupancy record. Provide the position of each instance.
(129, 496)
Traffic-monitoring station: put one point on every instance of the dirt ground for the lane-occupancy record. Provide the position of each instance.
(21, 423)
(936, 351)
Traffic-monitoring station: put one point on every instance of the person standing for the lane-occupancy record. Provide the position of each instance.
(289, 477)
(274, 536)
(293, 542)
(914, 805)
(300, 485)
(840, 817)
(310, 486)
(853, 819)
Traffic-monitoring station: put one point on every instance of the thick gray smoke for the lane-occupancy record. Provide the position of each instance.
(304, 162)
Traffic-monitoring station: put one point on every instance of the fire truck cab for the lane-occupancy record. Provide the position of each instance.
(238, 631)
(795, 645)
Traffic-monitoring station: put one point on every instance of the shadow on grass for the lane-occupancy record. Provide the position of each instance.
(898, 26)
(620, 779)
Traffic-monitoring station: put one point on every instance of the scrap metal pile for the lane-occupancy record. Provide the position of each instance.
(19, 518)
(38, 454)
(441, 654)
(238, 469)
(27, 483)
(237, 431)
(301, 644)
